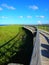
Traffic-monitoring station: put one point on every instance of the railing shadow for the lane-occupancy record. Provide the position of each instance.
(24, 55)
(46, 51)
(45, 37)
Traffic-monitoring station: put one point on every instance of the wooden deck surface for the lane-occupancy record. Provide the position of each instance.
(44, 41)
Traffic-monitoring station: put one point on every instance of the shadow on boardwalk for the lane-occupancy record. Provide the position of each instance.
(45, 37)
(24, 55)
(46, 51)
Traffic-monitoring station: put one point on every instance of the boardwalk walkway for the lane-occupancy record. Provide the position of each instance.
(44, 41)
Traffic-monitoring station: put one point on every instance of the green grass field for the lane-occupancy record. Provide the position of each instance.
(12, 37)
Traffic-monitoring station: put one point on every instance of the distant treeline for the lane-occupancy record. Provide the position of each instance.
(43, 27)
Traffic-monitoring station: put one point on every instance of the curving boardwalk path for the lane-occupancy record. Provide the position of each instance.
(40, 54)
(44, 41)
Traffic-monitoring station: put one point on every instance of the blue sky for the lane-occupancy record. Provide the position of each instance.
(24, 11)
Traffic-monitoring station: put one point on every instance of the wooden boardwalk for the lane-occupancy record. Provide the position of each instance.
(44, 41)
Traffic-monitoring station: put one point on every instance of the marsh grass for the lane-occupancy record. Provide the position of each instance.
(11, 38)
(16, 45)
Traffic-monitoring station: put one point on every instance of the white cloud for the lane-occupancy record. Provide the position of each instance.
(29, 16)
(3, 17)
(40, 16)
(20, 16)
(1, 9)
(39, 22)
(34, 7)
(8, 7)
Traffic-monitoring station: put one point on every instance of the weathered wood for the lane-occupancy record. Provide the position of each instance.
(35, 60)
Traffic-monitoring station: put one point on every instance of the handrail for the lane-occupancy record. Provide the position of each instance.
(35, 58)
